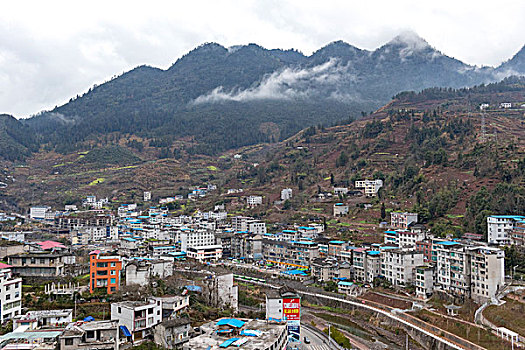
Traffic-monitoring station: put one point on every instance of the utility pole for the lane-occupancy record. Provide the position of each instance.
(483, 127)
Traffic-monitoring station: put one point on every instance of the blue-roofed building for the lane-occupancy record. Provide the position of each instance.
(243, 334)
(499, 228)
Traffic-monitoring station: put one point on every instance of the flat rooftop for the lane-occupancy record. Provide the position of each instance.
(210, 340)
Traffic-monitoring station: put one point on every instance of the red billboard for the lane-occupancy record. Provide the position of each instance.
(292, 309)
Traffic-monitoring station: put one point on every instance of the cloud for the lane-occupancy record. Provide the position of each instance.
(288, 84)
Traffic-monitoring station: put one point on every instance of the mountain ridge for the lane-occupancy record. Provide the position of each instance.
(252, 85)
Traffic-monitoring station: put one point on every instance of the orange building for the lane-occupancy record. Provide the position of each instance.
(104, 272)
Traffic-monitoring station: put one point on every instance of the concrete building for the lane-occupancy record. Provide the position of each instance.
(254, 201)
(328, 269)
(409, 239)
(398, 265)
(39, 213)
(239, 333)
(370, 187)
(499, 227)
(38, 264)
(257, 227)
(104, 272)
(424, 281)
(139, 317)
(100, 335)
(452, 268)
(487, 269)
(211, 252)
(284, 306)
(290, 254)
(223, 292)
(141, 271)
(340, 191)
(172, 333)
(43, 318)
(340, 209)
(286, 194)
(402, 220)
(173, 305)
(195, 238)
(10, 294)
(147, 196)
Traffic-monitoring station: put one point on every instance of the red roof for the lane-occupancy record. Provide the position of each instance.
(50, 245)
(4, 266)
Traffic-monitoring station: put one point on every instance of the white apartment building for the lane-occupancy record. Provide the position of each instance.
(39, 213)
(257, 227)
(499, 227)
(371, 187)
(138, 317)
(147, 196)
(205, 253)
(195, 238)
(408, 239)
(487, 267)
(253, 201)
(10, 294)
(372, 265)
(453, 268)
(402, 220)
(340, 209)
(424, 281)
(98, 234)
(286, 194)
(398, 265)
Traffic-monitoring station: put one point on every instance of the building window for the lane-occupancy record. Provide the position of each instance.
(68, 341)
(113, 280)
(113, 264)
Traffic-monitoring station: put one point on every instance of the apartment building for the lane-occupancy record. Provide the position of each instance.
(453, 267)
(424, 281)
(328, 269)
(499, 227)
(205, 253)
(104, 272)
(398, 265)
(370, 187)
(402, 220)
(195, 238)
(290, 254)
(254, 201)
(10, 294)
(138, 317)
(38, 264)
(487, 268)
(408, 239)
(340, 209)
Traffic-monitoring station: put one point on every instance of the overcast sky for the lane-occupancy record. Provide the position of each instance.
(53, 50)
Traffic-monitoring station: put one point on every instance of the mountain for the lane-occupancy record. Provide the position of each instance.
(16, 139)
(217, 98)
(516, 65)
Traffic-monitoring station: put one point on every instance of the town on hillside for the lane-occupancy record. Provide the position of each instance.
(139, 275)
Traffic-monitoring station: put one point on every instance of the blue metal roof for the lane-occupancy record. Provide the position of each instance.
(343, 283)
(228, 342)
(337, 242)
(373, 252)
(233, 322)
(447, 243)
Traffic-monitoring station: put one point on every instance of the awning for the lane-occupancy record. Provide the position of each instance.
(125, 330)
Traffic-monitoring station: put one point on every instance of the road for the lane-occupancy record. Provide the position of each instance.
(316, 341)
